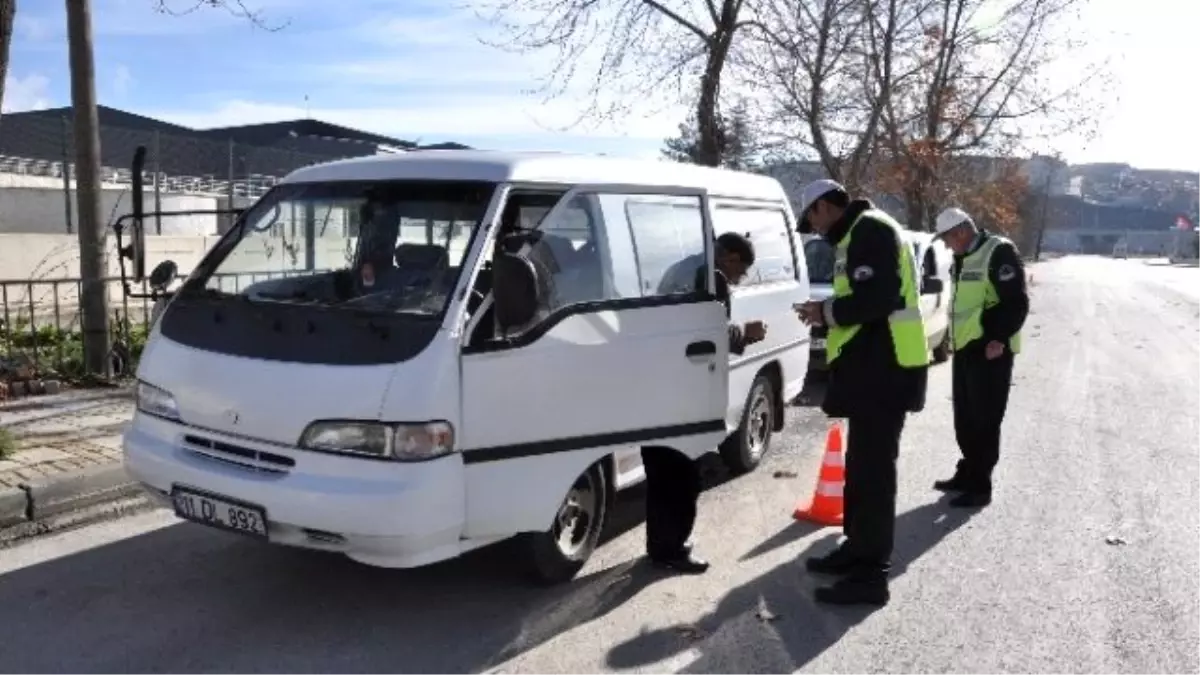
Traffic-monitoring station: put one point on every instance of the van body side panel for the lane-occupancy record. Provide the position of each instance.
(536, 416)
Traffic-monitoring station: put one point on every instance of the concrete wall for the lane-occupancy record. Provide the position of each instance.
(36, 205)
(1140, 242)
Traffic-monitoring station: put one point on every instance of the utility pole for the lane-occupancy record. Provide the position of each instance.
(93, 300)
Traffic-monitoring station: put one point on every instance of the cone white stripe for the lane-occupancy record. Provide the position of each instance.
(834, 459)
(827, 489)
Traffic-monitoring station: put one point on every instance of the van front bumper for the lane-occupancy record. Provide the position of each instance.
(378, 512)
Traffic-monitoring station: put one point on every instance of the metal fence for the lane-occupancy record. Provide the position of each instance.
(40, 322)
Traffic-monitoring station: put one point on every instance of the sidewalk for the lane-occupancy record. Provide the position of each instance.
(68, 452)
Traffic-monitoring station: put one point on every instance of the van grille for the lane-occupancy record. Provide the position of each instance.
(247, 458)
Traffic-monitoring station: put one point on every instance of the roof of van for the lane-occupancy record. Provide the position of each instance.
(541, 167)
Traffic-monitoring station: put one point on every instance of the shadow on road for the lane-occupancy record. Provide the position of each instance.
(771, 624)
(187, 599)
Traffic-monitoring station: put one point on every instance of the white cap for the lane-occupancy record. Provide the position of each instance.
(815, 190)
(951, 218)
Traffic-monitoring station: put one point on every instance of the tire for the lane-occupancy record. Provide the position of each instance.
(556, 555)
(743, 451)
(941, 353)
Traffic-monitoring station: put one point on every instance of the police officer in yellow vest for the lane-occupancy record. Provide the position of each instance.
(989, 309)
(878, 367)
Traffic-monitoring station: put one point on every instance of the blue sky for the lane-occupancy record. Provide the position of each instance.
(414, 69)
(417, 73)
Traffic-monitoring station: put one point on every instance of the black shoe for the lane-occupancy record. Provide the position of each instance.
(972, 500)
(837, 563)
(683, 564)
(852, 591)
(954, 484)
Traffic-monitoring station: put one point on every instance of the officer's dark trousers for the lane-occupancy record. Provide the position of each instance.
(672, 489)
(980, 399)
(870, 492)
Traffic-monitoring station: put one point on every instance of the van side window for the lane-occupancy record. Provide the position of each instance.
(570, 249)
(668, 243)
(767, 229)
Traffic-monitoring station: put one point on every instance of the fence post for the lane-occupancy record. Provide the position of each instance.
(66, 171)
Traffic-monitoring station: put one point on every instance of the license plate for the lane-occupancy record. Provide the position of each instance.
(219, 512)
(818, 343)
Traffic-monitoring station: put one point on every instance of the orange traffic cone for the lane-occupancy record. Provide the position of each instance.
(826, 507)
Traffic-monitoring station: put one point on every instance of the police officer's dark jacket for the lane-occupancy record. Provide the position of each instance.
(1007, 274)
(866, 375)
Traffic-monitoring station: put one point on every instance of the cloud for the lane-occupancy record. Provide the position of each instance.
(480, 116)
(31, 92)
(427, 76)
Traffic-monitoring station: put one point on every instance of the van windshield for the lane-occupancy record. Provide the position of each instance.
(378, 246)
(819, 256)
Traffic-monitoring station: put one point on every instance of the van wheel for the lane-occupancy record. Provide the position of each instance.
(558, 554)
(941, 353)
(743, 450)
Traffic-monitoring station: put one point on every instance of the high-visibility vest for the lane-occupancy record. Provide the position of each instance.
(905, 324)
(974, 293)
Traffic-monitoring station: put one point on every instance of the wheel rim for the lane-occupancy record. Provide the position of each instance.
(573, 522)
(758, 424)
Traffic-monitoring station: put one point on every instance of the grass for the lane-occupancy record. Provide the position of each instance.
(8, 444)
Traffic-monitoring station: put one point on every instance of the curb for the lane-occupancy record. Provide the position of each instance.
(75, 490)
(14, 505)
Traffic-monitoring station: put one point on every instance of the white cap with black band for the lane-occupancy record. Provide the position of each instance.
(815, 190)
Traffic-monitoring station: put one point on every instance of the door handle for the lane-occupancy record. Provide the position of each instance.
(702, 348)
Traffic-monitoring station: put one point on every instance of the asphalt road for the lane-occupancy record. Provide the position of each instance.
(1087, 562)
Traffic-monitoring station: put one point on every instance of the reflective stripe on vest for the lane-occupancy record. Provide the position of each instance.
(974, 293)
(906, 324)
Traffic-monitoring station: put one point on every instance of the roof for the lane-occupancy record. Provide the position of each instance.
(541, 167)
(271, 149)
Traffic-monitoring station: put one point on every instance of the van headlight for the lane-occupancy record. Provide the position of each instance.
(402, 442)
(157, 402)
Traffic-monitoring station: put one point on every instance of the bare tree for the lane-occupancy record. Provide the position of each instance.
(637, 49)
(237, 8)
(977, 91)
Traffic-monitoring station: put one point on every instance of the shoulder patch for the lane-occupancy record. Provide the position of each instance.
(863, 272)
(1006, 273)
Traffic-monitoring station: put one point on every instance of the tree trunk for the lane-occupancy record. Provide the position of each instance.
(93, 299)
(708, 126)
(8, 10)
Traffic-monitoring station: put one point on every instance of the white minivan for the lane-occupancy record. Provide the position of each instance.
(935, 285)
(403, 358)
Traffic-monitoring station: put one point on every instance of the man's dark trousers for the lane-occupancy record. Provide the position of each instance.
(672, 490)
(869, 521)
(980, 391)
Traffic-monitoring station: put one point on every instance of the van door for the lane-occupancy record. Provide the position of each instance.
(620, 357)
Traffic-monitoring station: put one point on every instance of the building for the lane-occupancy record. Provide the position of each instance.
(186, 168)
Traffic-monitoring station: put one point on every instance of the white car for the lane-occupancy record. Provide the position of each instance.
(463, 347)
(936, 262)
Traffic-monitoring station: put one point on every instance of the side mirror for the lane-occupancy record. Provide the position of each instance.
(932, 286)
(516, 288)
(162, 276)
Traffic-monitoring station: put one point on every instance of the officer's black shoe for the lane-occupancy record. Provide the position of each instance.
(972, 500)
(683, 564)
(954, 484)
(855, 591)
(837, 563)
